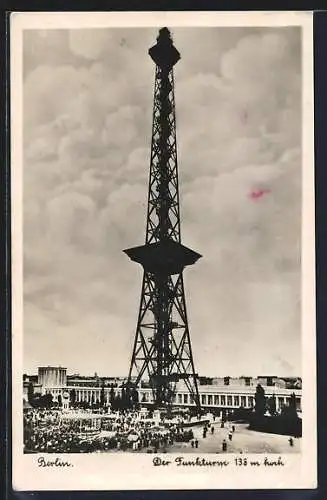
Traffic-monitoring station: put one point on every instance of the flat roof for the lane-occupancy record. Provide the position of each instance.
(53, 367)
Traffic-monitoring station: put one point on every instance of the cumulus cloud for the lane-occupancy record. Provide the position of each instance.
(87, 125)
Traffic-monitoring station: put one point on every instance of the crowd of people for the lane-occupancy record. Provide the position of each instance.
(55, 431)
(49, 431)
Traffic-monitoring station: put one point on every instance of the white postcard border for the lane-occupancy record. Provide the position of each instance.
(127, 471)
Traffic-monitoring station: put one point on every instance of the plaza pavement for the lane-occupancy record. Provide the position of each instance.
(244, 440)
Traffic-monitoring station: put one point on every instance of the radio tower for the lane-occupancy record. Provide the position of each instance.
(162, 351)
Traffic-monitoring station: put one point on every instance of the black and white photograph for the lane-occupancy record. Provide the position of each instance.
(163, 244)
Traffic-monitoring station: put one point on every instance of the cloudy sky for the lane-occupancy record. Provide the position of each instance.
(87, 128)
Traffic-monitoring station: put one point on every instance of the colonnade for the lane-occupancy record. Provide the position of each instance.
(221, 399)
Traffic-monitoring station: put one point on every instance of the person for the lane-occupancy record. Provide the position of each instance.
(291, 441)
(196, 442)
(192, 443)
(233, 428)
(230, 435)
(212, 429)
(224, 445)
(222, 425)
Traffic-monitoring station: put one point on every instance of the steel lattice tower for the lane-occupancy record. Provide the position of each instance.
(162, 347)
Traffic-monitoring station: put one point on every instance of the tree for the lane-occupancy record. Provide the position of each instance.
(46, 400)
(290, 410)
(102, 396)
(118, 402)
(73, 397)
(260, 401)
(289, 418)
(271, 403)
(135, 396)
(30, 392)
(292, 404)
(112, 395)
(123, 398)
(128, 397)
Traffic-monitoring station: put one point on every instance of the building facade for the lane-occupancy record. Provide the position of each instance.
(52, 376)
(221, 395)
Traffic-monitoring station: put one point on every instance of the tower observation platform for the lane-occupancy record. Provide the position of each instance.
(162, 353)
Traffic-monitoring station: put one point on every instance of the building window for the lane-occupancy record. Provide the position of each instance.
(251, 400)
(236, 401)
(298, 403)
(185, 399)
(247, 381)
(243, 401)
(223, 400)
(226, 380)
(229, 401)
(210, 399)
(174, 398)
(280, 402)
(216, 400)
(203, 399)
(179, 398)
